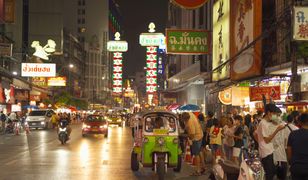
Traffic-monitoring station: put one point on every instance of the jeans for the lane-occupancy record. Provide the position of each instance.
(228, 151)
(281, 170)
(269, 167)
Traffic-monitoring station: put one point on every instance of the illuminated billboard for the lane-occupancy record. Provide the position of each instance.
(38, 70)
(221, 40)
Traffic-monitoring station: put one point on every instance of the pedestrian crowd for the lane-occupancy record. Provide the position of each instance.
(281, 140)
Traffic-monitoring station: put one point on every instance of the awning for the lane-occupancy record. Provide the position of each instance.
(21, 84)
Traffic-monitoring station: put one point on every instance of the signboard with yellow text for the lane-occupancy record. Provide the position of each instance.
(56, 81)
(221, 40)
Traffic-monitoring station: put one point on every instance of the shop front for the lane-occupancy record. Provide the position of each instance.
(6, 95)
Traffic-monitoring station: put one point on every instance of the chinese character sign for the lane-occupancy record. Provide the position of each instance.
(117, 73)
(300, 29)
(245, 27)
(221, 39)
(151, 74)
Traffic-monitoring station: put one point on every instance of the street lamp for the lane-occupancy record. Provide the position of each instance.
(14, 73)
(71, 65)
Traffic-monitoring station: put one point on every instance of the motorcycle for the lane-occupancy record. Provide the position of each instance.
(250, 168)
(62, 132)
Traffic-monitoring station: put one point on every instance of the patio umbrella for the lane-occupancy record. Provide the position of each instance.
(189, 107)
(172, 107)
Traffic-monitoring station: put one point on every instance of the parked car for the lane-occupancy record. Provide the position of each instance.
(39, 118)
(95, 124)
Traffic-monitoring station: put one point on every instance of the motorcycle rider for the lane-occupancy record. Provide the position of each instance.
(66, 121)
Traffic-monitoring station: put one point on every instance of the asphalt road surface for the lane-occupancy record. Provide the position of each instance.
(40, 155)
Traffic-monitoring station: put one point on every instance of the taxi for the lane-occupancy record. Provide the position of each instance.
(95, 124)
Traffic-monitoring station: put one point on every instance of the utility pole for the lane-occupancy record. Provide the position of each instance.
(295, 78)
(93, 93)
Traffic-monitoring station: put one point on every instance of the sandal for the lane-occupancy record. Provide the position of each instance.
(196, 173)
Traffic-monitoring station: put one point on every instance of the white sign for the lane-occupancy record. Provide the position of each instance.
(151, 39)
(300, 25)
(16, 108)
(117, 46)
(38, 70)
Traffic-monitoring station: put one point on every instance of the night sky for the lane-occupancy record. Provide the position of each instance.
(137, 14)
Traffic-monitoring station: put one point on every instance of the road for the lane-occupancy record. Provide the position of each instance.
(40, 155)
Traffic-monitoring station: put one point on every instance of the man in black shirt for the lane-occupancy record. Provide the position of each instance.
(297, 150)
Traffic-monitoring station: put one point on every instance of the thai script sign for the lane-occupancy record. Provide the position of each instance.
(38, 70)
(56, 81)
(151, 39)
(221, 40)
(300, 25)
(181, 41)
(270, 92)
(189, 4)
(117, 46)
(245, 27)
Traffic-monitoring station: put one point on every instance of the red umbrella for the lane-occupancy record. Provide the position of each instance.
(173, 107)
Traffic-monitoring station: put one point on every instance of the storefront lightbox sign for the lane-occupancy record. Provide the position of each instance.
(245, 27)
(225, 96)
(181, 41)
(38, 70)
(300, 23)
(189, 4)
(270, 92)
(221, 39)
(56, 81)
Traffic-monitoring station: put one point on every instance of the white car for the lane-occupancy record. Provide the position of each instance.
(39, 118)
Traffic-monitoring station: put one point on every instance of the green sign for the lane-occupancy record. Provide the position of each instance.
(180, 41)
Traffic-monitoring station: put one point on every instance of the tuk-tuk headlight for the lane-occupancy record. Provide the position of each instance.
(161, 141)
(175, 140)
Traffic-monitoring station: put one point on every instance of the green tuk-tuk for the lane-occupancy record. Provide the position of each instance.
(156, 142)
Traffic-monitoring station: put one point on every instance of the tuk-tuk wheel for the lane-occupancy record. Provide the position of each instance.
(161, 168)
(179, 165)
(134, 162)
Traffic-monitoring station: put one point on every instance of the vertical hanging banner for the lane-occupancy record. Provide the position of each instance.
(221, 40)
(151, 74)
(151, 41)
(245, 27)
(117, 47)
(117, 74)
(300, 23)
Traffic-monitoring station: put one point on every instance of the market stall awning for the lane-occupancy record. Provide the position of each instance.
(189, 107)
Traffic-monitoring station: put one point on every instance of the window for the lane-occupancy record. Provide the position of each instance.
(160, 122)
(83, 11)
(82, 21)
(79, 21)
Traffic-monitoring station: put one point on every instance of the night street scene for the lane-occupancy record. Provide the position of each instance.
(153, 89)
